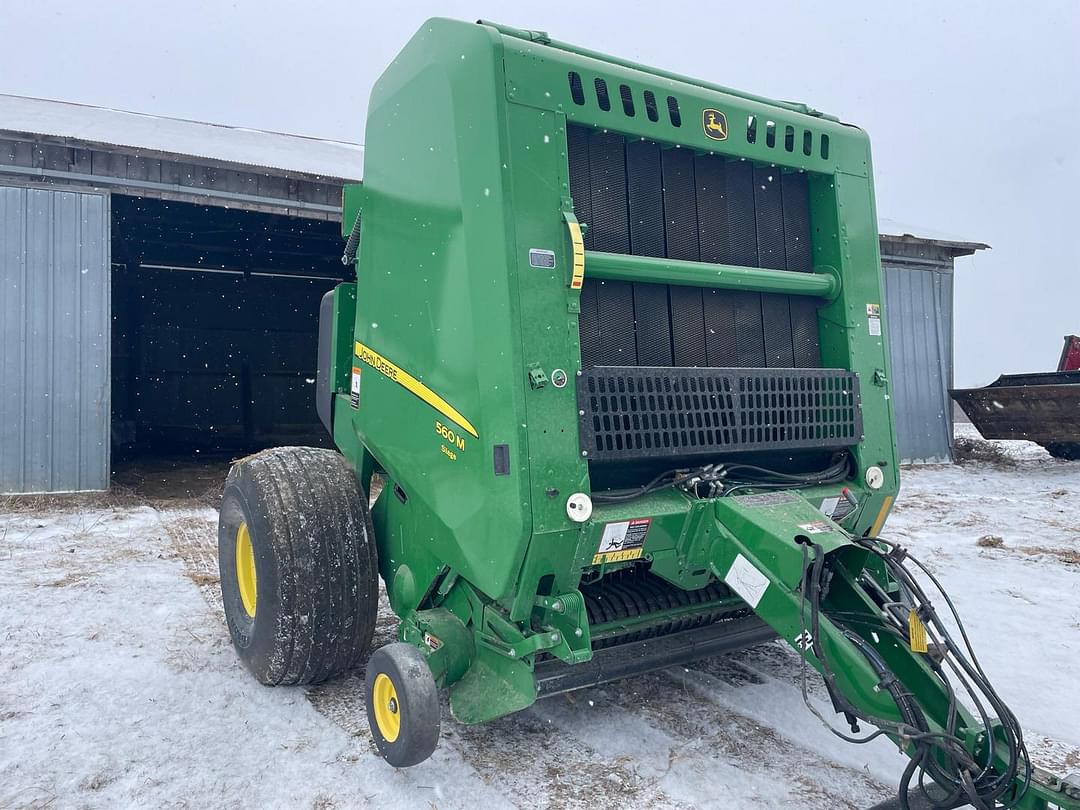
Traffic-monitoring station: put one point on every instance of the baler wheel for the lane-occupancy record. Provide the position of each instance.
(296, 555)
(402, 704)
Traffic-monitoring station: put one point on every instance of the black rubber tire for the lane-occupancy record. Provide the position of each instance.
(418, 700)
(1067, 451)
(317, 588)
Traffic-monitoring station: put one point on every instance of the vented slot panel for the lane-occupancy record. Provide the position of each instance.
(644, 199)
(642, 413)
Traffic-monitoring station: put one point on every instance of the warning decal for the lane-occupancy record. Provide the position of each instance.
(766, 499)
(622, 541)
(354, 392)
(873, 319)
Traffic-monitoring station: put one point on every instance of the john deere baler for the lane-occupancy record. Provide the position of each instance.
(615, 351)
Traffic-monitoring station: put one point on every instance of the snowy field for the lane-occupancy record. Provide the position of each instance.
(119, 688)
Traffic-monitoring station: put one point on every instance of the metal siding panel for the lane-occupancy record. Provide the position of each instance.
(945, 313)
(12, 334)
(55, 356)
(939, 433)
(910, 402)
(919, 331)
(65, 389)
(945, 322)
(95, 342)
(38, 314)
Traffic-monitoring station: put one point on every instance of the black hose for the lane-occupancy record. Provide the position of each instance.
(733, 477)
(976, 783)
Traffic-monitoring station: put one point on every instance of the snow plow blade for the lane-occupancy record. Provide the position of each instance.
(1040, 408)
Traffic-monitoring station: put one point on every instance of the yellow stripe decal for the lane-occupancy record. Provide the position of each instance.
(578, 246)
(880, 520)
(410, 383)
(617, 556)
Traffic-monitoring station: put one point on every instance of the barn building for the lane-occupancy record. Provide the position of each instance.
(160, 285)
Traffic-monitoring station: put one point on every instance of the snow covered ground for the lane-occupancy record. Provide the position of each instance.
(118, 685)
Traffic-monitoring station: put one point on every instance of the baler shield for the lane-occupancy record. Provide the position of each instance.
(641, 413)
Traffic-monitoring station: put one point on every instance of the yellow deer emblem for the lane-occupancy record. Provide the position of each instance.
(714, 123)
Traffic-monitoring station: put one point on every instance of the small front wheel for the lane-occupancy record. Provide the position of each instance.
(402, 704)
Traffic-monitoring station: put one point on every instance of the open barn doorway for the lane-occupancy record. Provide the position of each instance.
(215, 321)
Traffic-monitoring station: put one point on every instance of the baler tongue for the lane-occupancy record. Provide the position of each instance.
(854, 610)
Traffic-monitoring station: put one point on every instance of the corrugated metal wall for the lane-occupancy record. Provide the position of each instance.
(918, 309)
(54, 340)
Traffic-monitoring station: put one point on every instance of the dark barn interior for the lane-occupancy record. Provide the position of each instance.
(215, 318)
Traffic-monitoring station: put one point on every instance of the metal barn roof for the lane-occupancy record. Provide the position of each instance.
(893, 231)
(249, 147)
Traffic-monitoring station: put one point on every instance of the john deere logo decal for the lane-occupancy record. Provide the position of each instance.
(714, 123)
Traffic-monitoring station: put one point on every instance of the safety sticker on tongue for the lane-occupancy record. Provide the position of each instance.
(746, 580)
(622, 541)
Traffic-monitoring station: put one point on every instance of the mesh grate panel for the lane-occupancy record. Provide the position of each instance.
(638, 413)
(776, 328)
(742, 224)
(615, 313)
(680, 205)
(721, 348)
(768, 207)
(640, 198)
(688, 326)
(645, 192)
(609, 228)
(749, 336)
(653, 325)
(805, 343)
(796, 196)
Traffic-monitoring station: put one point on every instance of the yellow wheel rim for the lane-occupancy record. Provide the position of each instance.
(245, 569)
(387, 708)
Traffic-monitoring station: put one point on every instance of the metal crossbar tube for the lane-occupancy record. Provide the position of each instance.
(704, 274)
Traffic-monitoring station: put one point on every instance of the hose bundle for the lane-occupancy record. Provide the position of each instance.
(960, 777)
(712, 480)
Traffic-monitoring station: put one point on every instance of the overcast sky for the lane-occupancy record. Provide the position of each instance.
(973, 107)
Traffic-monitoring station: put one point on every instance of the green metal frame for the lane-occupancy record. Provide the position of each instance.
(455, 336)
